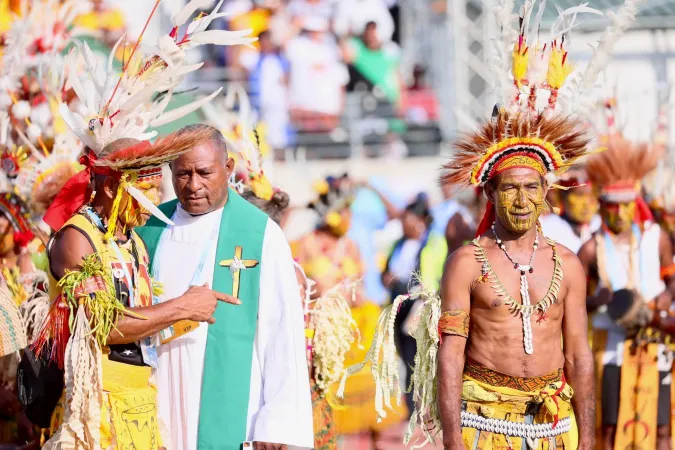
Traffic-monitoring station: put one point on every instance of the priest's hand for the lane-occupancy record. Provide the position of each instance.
(268, 446)
(200, 303)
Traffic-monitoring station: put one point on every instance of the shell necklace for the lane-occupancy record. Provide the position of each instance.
(524, 289)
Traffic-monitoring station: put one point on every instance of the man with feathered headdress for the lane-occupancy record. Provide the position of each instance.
(578, 218)
(503, 359)
(623, 262)
(103, 320)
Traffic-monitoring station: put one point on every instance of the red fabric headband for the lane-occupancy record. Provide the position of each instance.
(75, 193)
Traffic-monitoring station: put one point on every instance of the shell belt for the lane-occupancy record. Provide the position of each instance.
(515, 429)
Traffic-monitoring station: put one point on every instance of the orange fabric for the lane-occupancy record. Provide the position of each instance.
(454, 322)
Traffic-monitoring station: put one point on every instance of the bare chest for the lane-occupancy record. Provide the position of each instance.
(530, 293)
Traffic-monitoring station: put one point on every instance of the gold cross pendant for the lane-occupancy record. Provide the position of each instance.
(236, 265)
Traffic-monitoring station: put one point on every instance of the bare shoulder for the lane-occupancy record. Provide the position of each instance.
(587, 250)
(67, 251)
(572, 268)
(462, 264)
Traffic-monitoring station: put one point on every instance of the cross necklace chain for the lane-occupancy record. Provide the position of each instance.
(524, 288)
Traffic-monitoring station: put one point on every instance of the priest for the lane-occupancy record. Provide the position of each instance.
(242, 380)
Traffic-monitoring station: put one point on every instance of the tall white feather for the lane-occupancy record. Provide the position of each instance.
(148, 205)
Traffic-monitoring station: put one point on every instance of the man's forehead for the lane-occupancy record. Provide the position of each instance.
(519, 175)
(203, 155)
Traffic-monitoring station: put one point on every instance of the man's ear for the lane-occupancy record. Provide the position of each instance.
(489, 190)
(110, 187)
(229, 165)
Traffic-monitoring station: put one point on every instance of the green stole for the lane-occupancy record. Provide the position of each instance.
(229, 347)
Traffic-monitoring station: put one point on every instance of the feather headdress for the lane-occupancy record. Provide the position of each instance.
(125, 106)
(531, 126)
(618, 170)
(243, 139)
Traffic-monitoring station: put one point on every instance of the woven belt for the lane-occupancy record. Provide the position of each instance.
(515, 429)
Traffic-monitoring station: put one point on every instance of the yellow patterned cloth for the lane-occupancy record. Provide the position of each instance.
(128, 411)
(494, 395)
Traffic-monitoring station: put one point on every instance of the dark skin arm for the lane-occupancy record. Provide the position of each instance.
(197, 304)
(392, 211)
(578, 357)
(587, 257)
(457, 232)
(455, 294)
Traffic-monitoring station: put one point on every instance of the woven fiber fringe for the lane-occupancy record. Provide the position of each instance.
(36, 307)
(84, 391)
(334, 332)
(12, 327)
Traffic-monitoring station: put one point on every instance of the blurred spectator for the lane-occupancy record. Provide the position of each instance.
(299, 9)
(419, 251)
(452, 220)
(375, 62)
(268, 89)
(351, 17)
(317, 77)
(420, 102)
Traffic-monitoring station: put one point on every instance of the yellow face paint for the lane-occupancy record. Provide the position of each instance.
(580, 206)
(618, 217)
(131, 213)
(520, 200)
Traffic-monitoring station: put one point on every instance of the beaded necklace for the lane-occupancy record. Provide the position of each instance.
(524, 308)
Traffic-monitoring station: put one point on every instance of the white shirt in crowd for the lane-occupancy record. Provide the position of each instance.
(317, 76)
(351, 17)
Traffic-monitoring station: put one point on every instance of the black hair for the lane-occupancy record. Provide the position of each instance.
(420, 208)
(274, 207)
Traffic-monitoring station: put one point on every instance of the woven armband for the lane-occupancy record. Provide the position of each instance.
(455, 322)
(667, 272)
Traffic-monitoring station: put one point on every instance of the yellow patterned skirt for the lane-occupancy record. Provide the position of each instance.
(494, 395)
(128, 411)
(356, 412)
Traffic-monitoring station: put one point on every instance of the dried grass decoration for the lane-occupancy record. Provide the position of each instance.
(335, 331)
(385, 364)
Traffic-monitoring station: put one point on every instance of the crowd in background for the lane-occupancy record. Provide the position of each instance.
(311, 53)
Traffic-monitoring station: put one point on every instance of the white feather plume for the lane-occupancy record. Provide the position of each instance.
(148, 205)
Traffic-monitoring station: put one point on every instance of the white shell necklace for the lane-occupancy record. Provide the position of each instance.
(524, 288)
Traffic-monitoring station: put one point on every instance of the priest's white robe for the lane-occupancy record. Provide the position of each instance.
(280, 408)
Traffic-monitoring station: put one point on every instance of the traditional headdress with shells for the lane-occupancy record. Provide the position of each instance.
(126, 105)
(538, 92)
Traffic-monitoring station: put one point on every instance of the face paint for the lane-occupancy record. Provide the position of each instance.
(580, 207)
(132, 214)
(520, 200)
(618, 217)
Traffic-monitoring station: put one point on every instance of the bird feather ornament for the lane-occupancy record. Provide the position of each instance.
(148, 205)
(125, 106)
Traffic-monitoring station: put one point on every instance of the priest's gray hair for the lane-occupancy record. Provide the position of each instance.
(215, 137)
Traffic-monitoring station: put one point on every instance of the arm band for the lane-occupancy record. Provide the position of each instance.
(667, 272)
(455, 322)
